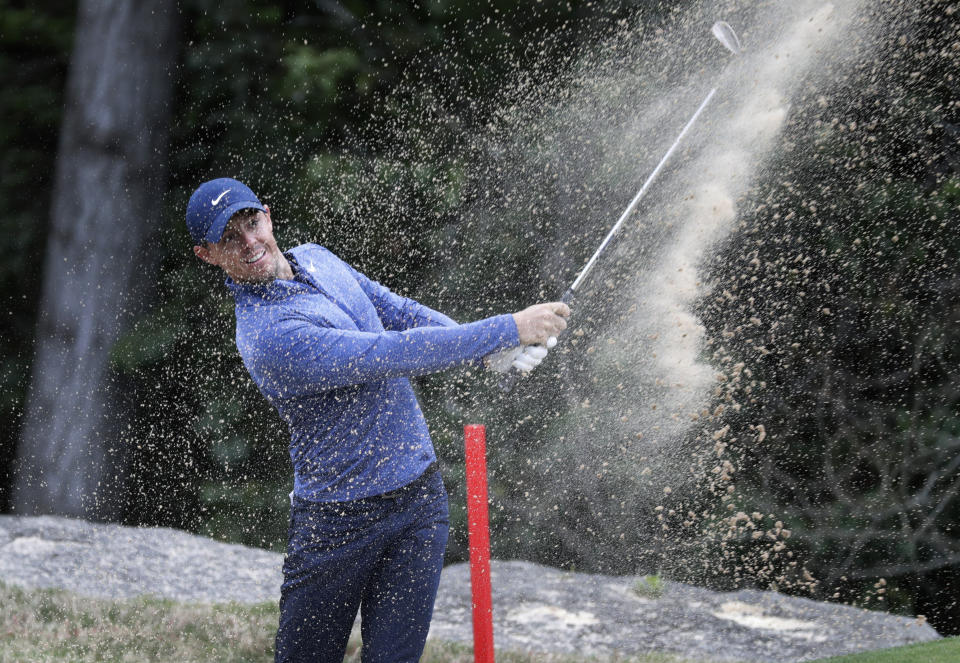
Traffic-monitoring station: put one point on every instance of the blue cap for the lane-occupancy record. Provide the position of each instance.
(212, 205)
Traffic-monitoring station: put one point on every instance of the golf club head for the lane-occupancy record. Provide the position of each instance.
(725, 34)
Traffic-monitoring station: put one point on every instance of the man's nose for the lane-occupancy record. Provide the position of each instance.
(248, 239)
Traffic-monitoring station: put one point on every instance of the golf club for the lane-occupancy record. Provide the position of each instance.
(726, 36)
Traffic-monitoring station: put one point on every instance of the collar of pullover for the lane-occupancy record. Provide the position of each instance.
(275, 290)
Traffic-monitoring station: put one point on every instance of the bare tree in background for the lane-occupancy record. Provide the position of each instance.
(111, 172)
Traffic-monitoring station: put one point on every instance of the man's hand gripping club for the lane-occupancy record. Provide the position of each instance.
(537, 326)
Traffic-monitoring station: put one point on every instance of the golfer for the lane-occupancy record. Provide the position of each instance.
(333, 350)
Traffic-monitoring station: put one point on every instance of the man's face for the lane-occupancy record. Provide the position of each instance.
(247, 251)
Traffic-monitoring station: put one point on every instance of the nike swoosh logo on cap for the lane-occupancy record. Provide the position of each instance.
(216, 201)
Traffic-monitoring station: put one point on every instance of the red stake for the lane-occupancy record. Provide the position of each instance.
(478, 530)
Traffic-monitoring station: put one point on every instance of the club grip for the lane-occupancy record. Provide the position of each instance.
(510, 379)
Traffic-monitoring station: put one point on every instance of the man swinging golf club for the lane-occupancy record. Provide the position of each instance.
(333, 350)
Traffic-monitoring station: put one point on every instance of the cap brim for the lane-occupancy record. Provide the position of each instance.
(223, 218)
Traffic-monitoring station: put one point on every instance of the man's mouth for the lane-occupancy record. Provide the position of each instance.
(257, 257)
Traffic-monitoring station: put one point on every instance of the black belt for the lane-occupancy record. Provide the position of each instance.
(432, 468)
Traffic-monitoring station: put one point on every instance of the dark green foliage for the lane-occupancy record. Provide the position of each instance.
(846, 274)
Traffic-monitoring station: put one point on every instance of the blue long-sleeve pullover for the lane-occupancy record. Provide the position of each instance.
(332, 351)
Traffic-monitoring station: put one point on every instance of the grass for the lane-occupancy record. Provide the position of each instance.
(649, 587)
(53, 626)
(446, 652)
(939, 651)
(56, 626)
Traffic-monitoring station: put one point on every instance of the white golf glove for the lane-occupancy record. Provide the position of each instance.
(524, 358)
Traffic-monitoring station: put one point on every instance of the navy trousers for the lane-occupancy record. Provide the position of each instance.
(380, 555)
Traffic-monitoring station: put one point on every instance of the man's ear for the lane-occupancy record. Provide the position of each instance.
(204, 254)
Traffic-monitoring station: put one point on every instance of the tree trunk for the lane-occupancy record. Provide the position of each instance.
(98, 271)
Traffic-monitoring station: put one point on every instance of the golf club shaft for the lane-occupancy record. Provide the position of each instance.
(510, 379)
(726, 36)
(640, 194)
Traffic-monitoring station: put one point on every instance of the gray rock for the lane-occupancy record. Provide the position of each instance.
(543, 609)
(536, 608)
(110, 561)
